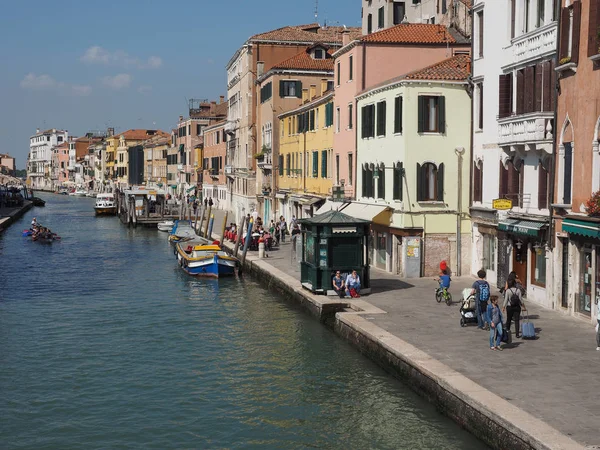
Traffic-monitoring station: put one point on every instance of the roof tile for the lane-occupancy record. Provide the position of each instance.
(456, 68)
(412, 33)
(308, 34)
(140, 134)
(304, 61)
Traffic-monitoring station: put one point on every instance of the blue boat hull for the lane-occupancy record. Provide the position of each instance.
(214, 267)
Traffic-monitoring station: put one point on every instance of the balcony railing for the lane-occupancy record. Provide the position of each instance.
(228, 170)
(523, 129)
(264, 161)
(538, 43)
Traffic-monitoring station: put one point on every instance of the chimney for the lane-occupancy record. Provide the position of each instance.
(323, 86)
(181, 118)
(213, 107)
(304, 95)
(260, 68)
(469, 66)
(111, 131)
(345, 37)
(221, 99)
(313, 91)
(37, 130)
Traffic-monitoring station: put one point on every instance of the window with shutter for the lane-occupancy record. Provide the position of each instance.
(439, 183)
(565, 26)
(521, 91)
(503, 188)
(350, 116)
(323, 163)
(567, 173)
(381, 118)
(350, 68)
(547, 86)
(381, 182)
(281, 165)
(529, 89)
(441, 100)
(364, 180)
(312, 120)
(480, 107)
(513, 182)
(477, 182)
(576, 32)
(398, 115)
(594, 28)
(539, 85)
(420, 179)
(505, 95)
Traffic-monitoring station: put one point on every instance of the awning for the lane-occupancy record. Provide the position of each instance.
(525, 227)
(373, 213)
(191, 189)
(308, 201)
(581, 227)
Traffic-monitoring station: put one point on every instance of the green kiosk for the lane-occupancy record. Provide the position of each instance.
(334, 241)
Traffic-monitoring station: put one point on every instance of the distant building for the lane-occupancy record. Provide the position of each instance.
(39, 170)
(7, 164)
(213, 180)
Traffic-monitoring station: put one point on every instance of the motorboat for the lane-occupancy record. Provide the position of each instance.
(38, 201)
(166, 225)
(182, 231)
(79, 192)
(90, 194)
(203, 259)
(105, 205)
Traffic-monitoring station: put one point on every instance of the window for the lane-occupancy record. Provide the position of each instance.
(328, 115)
(398, 115)
(289, 88)
(281, 165)
(337, 120)
(570, 23)
(189, 130)
(350, 68)
(323, 163)
(538, 265)
(218, 137)
(381, 18)
(337, 169)
(480, 106)
(266, 92)
(350, 116)
(339, 73)
(381, 182)
(367, 181)
(513, 15)
(505, 105)
(381, 107)
(350, 169)
(288, 165)
(480, 34)
(319, 53)
(369, 24)
(593, 26)
(315, 162)
(430, 182)
(330, 85)
(368, 121)
(511, 182)
(311, 120)
(432, 114)
(398, 12)
(397, 182)
(444, 7)
(540, 13)
(489, 252)
(567, 172)
(198, 129)
(478, 181)
(60, 138)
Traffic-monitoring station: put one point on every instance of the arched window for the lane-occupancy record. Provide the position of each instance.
(430, 182)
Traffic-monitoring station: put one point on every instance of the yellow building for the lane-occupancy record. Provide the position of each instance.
(305, 168)
(112, 142)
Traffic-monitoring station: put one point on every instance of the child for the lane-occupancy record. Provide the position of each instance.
(494, 318)
(445, 279)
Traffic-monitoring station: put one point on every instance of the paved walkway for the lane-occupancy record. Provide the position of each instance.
(554, 377)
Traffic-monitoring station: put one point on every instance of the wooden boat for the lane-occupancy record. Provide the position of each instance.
(38, 201)
(202, 259)
(105, 205)
(182, 231)
(166, 225)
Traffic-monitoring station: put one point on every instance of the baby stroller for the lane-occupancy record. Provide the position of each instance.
(468, 311)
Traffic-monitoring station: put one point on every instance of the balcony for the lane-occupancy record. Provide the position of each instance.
(264, 161)
(533, 45)
(526, 129)
(180, 167)
(228, 170)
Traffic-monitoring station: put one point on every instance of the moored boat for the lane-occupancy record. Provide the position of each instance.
(80, 192)
(166, 225)
(202, 259)
(182, 231)
(105, 205)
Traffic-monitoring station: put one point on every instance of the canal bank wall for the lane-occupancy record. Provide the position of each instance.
(9, 216)
(489, 417)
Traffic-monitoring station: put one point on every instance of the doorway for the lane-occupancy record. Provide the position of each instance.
(519, 262)
(564, 292)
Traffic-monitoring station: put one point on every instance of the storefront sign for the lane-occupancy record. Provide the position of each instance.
(502, 203)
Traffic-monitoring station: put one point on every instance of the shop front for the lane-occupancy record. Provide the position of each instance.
(485, 242)
(582, 250)
(522, 248)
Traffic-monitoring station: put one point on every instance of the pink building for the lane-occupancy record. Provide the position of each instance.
(62, 162)
(372, 59)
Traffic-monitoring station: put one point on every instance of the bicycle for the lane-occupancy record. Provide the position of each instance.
(442, 293)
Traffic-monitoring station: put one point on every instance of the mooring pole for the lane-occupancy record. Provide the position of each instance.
(240, 231)
(247, 241)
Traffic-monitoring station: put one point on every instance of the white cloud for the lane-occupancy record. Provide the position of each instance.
(144, 89)
(99, 55)
(47, 83)
(119, 81)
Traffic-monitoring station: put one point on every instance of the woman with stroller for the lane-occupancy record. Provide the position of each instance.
(512, 304)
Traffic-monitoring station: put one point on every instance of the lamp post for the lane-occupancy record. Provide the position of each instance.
(460, 151)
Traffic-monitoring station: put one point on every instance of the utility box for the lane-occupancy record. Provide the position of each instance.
(330, 242)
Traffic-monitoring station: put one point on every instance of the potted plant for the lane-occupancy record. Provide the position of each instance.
(564, 60)
(592, 205)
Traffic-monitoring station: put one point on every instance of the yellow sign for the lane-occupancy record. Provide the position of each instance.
(502, 203)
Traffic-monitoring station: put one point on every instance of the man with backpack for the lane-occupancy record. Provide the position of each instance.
(513, 302)
(481, 289)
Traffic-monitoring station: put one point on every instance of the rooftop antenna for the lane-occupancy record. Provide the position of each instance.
(316, 10)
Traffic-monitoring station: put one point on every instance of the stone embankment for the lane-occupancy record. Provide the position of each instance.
(10, 215)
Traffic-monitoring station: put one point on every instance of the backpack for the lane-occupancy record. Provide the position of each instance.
(514, 298)
(484, 291)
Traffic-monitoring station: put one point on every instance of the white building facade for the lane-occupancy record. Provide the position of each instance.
(514, 46)
(39, 170)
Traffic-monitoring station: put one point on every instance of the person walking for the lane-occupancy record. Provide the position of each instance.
(282, 228)
(512, 305)
(481, 289)
(494, 318)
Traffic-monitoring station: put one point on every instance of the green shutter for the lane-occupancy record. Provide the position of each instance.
(315, 164)
(299, 89)
(381, 182)
(398, 115)
(421, 115)
(281, 88)
(400, 180)
(280, 165)
(440, 183)
(312, 120)
(420, 179)
(363, 122)
(323, 163)
(442, 114)
(381, 107)
(364, 181)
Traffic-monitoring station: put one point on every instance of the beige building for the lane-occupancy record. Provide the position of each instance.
(125, 141)
(155, 157)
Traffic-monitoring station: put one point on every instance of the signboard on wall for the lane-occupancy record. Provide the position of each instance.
(502, 203)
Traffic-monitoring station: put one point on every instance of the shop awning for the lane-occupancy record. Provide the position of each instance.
(308, 201)
(525, 227)
(191, 189)
(381, 215)
(581, 227)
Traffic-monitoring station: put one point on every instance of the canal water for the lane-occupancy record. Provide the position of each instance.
(105, 343)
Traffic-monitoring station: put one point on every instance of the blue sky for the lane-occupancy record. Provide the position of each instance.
(86, 65)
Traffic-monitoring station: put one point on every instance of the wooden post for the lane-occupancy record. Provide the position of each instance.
(240, 230)
(180, 211)
(211, 223)
(247, 242)
(223, 228)
(201, 219)
(207, 220)
(196, 222)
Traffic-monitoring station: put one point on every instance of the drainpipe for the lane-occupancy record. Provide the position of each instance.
(459, 153)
